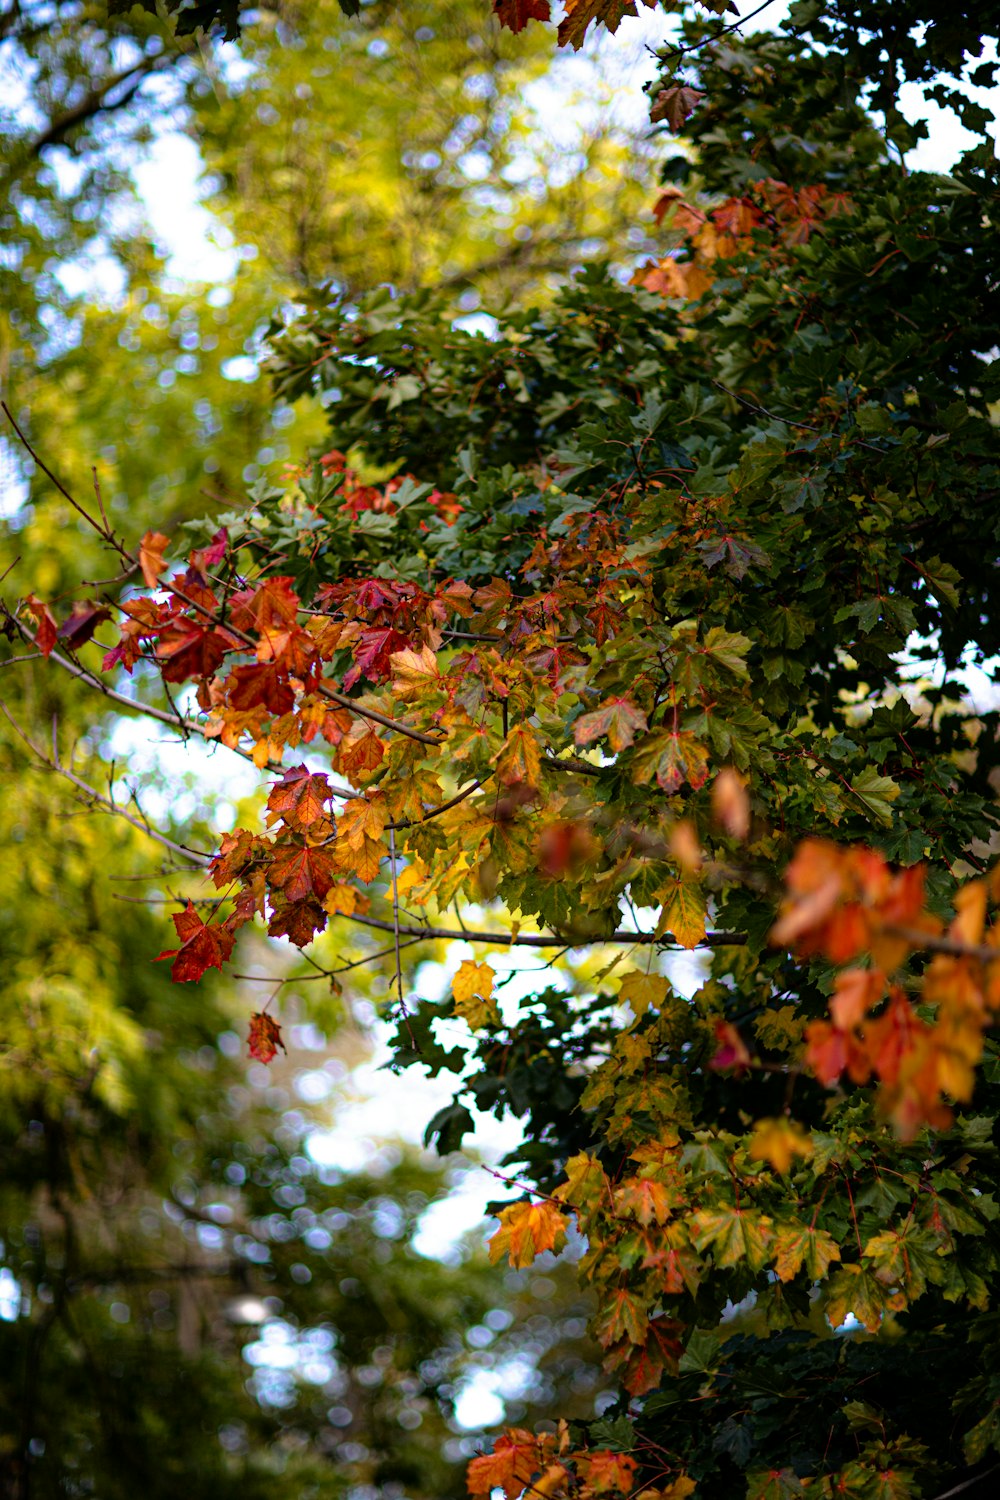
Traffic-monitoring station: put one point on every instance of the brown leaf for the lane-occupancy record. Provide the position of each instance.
(675, 105)
(264, 1037)
(151, 550)
(515, 14)
(203, 946)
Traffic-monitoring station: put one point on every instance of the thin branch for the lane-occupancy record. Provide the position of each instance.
(95, 102)
(54, 764)
(175, 720)
(212, 616)
(542, 940)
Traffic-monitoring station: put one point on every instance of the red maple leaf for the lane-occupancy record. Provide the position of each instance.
(188, 648)
(298, 921)
(211, 555)
(301, 872)
(77, 630)
(515, 14)
(300, 797)
(372, 654)
(264, 686)
(202, 946)
(45, 625)
(264, 1037)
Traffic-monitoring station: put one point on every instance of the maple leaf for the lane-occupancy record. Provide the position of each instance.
(643, 1199)
(302, 872)
(515, 14)
(608, 1472)
(580, 13)
(682, 913)
(363, 817)
(264, 686)
(643, 990)
(797, 1246)
(736, 554)
(673, 757)
(361, 752)
(618, 719)
(186, 648)
(526, 1229)
(520, 758)
(622, 1316)
(203, 558)
(298, 921)
(661, 1353)
(675, 105)
(734, 1235)
(45, 626)
(299, 799)
(79, 626)
(151, 550)
(779, 1142)
(856, 1291)
(905, 1257)
(472, 988)
(373, 653)
(203, 946)
(511, 1466)
(264, 1037)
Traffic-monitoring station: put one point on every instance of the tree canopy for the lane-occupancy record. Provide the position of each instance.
(634, 625)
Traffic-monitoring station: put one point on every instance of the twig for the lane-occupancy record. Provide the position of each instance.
(541, 940)
(54, 764)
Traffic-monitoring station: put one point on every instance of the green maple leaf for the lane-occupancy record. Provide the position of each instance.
(875, 792)
(618, 719)
(797, 1246)
(733, 1235)
(622, 1316)
(905, 1257)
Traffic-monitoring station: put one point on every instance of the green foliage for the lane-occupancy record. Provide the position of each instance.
(602, 620)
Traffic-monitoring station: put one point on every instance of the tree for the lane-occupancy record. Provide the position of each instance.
(630, 629)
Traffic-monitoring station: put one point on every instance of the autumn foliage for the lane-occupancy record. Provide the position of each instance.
(616, 668)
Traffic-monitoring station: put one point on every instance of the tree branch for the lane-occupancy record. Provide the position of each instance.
(95, 102)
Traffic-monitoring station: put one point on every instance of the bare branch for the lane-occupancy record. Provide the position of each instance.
(197, 856)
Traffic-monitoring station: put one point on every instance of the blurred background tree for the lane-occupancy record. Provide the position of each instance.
(188, 1297)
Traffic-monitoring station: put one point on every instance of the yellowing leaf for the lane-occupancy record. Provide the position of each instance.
(797, 1246)
(344, 901)
(855, 1291)
(520, 757)
(472, 989)
(683, 912)
(779, 1141)
(643, 990)
(151, 550)
(733, 1235)
(618, 720)
(526, 1229)
(413, 672)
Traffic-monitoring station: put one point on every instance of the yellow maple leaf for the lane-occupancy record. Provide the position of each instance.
(526, 1229)
(472, 988)
(779, 1142)
(413, 672)
(683, 912)
(643, 990)
(520, 757)
(344, 901)
(363, 817)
